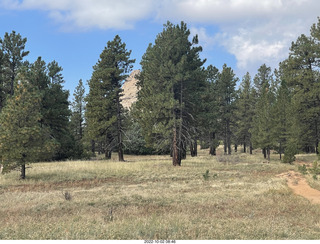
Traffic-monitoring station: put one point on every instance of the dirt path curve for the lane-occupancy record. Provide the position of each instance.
(300, 186)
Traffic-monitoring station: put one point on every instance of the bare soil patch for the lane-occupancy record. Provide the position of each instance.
(300, 186)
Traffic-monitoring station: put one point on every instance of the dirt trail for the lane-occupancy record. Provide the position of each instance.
(300, 186)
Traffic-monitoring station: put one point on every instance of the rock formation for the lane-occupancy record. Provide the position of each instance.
(130, 90)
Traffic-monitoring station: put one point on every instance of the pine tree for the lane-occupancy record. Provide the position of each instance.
(262, 78)
(170, 80)
(2, 79)
(262, 130)
(23, 139)
(134, 141)
(77, 117)
(78, 109)
(55, 105)
(104, 113)
(227, 96)
(302, 75)
(12, 46)
(209, 120)
(245, 112)
(281, 114)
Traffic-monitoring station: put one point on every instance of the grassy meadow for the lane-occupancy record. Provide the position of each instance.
(147, 198)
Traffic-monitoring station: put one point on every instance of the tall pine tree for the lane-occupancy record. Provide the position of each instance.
(282, 114)
(245, 112)
(262, 130)
(227, 96)
(77, 118)
(302, 76)
(23, 139)
(209, 108)
(55, 105)
(12, 46)
(78, 109)
(104, 113)
(171, 77)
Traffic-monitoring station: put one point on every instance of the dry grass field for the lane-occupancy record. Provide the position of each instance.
(147, 198)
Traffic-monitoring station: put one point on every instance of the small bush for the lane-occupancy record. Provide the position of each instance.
(303, 169)
(67, 196)
(315, 168)
(206, 175)
(289, 154)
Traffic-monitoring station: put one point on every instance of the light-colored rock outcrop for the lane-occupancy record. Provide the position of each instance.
(130, 90)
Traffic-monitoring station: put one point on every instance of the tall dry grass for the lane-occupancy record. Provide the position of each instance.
(147, 198)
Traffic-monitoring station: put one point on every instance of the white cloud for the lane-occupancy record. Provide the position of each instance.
(255, 32)
(206, 41)
(87, 14)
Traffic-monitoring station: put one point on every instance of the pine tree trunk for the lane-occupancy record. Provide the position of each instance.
(181, 148)
(229, 148)
(317, 139)
(225, 147)
(183, 152)
(212, 150)
(99, 148)
(175, 151)
(235, 147)
(244, 147)
(108, 154)
(264, 151)
(93, 149)
(119, 133)
(80, 123)
(251, 148)
(268, 153)
(108, 146)
(228, 137)
(280, 150)
(12, 82)
(23, 172)
(193, 148)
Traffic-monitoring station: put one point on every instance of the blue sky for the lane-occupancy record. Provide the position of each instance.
(241, 33)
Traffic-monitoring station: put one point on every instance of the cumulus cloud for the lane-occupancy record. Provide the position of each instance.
(87, 14)
(255, 32)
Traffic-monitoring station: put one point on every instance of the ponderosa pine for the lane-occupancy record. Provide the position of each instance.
(245, 112)
(169, 82)
(23, 139)
(12, 46)
(104, 112)
(227, 96)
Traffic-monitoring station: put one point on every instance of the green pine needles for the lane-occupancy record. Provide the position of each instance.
(23, 139)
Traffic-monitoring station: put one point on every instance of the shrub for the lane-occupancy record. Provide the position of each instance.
(289, 153)
(303, 169)
(206, 175)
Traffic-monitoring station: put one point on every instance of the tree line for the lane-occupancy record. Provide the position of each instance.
(180, 103)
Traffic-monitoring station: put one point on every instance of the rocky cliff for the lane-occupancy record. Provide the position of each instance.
(130, 90)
